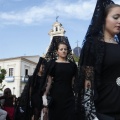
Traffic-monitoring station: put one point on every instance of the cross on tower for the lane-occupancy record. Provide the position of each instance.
(77, 42)
(57, 18)
(78, 48)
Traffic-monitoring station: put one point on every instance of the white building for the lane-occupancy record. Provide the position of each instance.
(17, 70)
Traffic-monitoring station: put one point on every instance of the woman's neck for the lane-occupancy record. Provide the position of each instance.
(61, 59)
(39, 74)
(108, 37)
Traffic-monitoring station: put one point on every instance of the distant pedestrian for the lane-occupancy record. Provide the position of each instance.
(3, 114)
(9, 103)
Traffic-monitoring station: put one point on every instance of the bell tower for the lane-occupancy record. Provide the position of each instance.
(57, 29)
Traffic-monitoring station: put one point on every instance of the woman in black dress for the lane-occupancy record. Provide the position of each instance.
(59, 86)
(99, 74)
(35, 91)
(30, 102)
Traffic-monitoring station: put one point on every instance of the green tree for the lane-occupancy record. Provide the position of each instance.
(2, 77)
(75, 58)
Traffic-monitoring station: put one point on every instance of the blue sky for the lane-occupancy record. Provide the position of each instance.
(24, 24)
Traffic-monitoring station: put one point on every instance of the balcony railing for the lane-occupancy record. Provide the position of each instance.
(24, 79)
(9, 79)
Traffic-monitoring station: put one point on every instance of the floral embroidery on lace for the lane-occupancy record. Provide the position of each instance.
(88, 104)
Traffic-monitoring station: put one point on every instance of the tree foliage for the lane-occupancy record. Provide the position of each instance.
(2, 75)
(76, 58)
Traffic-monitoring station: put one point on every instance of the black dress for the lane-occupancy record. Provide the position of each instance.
(108, 101)
(63, 105)
(36, 97)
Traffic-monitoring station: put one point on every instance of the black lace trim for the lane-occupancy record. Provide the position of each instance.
(88, 72)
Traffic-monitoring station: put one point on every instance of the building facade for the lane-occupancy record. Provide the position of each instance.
(18, 69)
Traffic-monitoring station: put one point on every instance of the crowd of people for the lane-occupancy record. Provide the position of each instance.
(8, 103)
(60, 89)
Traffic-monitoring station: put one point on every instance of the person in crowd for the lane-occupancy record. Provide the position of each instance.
(35, 92)
(58, 96)
(29, 104)
(3, 114)
(99, 65)
(9, 103)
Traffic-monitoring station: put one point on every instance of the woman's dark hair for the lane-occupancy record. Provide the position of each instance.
(63, 43)
(107, 10)
(7, 92)
(109, 7)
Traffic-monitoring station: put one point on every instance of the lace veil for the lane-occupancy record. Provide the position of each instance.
(42, 61)
(90, 62)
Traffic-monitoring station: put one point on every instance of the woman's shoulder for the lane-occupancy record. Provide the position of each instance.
(50, 64)
(94, 39)
(73, 63)
(93, 44)
(2, 97)
(51, 61)
(12, 96)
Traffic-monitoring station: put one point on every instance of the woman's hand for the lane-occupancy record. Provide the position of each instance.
(45, 113)
(87, 84)
(44, 98)
(45, 110)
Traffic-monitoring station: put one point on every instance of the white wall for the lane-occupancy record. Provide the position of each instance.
(19, 72)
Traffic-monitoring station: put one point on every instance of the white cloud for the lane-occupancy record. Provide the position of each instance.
(81, 9)
(117, 1)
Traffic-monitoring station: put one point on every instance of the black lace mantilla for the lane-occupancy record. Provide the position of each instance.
(96, 26)
(35, 73)
(51, 53)
(90, 62)
(24, 99)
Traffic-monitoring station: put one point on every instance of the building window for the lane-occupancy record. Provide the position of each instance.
(26, 72)
(56, 29)
(10, 71)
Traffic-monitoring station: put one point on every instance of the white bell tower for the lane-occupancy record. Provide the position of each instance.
(57, 29)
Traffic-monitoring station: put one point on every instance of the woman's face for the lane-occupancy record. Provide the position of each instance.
(41, 69)
(112, 25)
(62, 51)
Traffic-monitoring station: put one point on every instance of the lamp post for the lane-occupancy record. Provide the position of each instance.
(13, 90)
